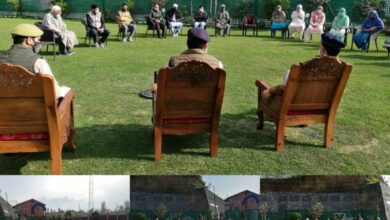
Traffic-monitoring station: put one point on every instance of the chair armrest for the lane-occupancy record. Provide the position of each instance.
(66, 101)
(262, 85)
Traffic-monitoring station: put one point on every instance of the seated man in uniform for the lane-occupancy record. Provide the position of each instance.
(197, 43)
(25, 36)
(330, 46)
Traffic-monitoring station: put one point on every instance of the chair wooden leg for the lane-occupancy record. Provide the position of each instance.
(328, 134)
(214, 144)
(157, 143)
(279, 137)
(260, 114)
(55, 157)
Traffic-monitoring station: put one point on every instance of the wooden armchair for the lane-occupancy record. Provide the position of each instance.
(311, 96)
(31, 118)
(250, 22)
(188, 101)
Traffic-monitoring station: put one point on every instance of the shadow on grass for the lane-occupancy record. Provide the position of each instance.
(135, 142)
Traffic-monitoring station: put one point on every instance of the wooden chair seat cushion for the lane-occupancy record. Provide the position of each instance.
(187, 121)
(25, 136)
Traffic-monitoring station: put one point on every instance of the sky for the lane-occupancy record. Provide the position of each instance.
(226, 186)
(66, 192)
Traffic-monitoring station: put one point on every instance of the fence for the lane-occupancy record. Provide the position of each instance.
(78, 8)
(303, 214)
(190, 215)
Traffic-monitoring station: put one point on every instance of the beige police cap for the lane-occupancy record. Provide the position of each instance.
(26, 30)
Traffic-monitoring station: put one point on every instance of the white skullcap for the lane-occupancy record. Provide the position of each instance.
(175, 5)
(55, 8)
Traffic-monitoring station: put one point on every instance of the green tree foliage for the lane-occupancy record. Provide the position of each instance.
(160, 211)
(316, 211)
(244, 8)
(295, 216)
(141, 216)
(16, 5)
(363, 7)
(270, 5)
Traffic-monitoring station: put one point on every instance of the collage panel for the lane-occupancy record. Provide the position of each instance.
(64, 197)
(260, 197)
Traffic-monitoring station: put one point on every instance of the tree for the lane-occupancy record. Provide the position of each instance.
(316, 211)
(363, 7)
(95, 215)
(244, 8)
(141, 216)
(16, 5)
(103, 208)
(160, 211)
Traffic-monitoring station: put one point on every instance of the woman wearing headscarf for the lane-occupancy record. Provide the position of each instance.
(340, 24)
(317, 20)
(297, 22)
(278, 20)
(371, 25)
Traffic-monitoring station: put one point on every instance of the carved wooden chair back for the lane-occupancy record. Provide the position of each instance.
(189, 100)
(29, 107)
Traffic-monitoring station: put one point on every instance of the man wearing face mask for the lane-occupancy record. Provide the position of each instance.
(97, 27)
(278, 21)
(317, 20)
(25, 36)
(65, 38)
(174, 20)
(222, 21)
(155, 16)
(200, 18)
(125, 22)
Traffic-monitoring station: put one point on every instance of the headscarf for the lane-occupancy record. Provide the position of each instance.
(318, 14)
(301, 13)
(341, 19)
(373, 20)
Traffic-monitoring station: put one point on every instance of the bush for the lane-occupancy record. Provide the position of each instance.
(295, 216)
(363, 7)
(270, 5)
(141, 216)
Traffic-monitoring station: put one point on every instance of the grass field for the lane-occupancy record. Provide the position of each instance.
(114, 132)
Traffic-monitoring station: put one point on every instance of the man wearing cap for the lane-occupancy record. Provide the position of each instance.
(197, 43)
(222, 21)
(25, 36)
(330, 46)
(65, 38)
(174, 20)
(96, 24)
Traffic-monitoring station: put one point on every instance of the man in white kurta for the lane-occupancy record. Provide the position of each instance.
(67, 38)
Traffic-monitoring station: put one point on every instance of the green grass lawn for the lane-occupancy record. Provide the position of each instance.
(114, 131)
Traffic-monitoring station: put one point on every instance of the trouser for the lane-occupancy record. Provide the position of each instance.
(225, 30)
(61, 45)
(94, 34)
(159, 27)
(175, 27)
(124, 29)
(200, 25)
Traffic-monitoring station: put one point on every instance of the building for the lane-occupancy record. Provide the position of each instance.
(352, 194)
(6, 210)
(245, 200)
(30, 208)
(216, 204)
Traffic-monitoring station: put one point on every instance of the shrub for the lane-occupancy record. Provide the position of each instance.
(141, 216)
(270, 5)
(295, 216)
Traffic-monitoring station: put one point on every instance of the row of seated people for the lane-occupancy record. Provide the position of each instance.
(173, 20)
(25, 36)
(341, 23)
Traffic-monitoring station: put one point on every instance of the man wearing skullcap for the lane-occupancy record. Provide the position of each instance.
(25, 37)
(222, 21)
(173, 18)
(330, 46)
(197, 43)
(65, 38)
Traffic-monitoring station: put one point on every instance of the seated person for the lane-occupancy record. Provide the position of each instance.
(371, 25)
(155, 17)
(197, 43)
(125, 21)
(200, 18)
(317, 20)
(173, 19)
(330, 47)
(340, 24)
(25, 36)
(222, 21)
(66, 39)
(278, 20)
(297, 22)
(97, 27)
